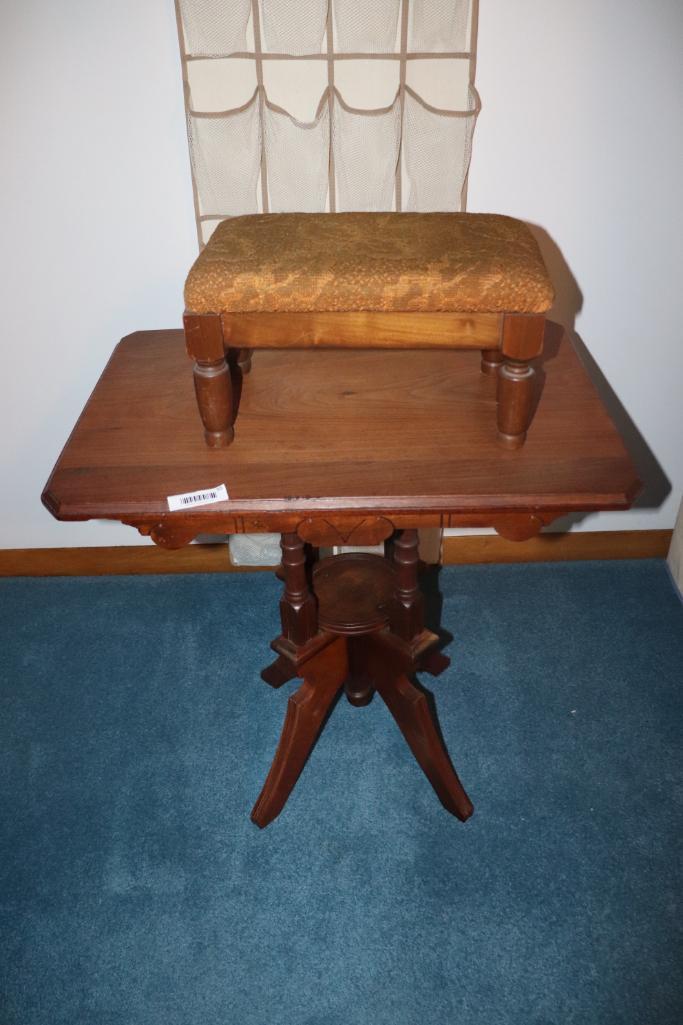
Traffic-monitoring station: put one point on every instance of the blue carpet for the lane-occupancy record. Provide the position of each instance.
(136, 736)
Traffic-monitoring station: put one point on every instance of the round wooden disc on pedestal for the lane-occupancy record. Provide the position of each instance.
(354, 592)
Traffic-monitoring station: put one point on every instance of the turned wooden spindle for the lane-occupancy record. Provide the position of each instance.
(491, 361)
(407, 615)
(244, 360)
(212, 379)
(240, 358)
(515, 402)
(298, 608)
(213, 389)
(522, 341)
(358, 686)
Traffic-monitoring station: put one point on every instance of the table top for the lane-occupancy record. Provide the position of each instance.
(407, 437)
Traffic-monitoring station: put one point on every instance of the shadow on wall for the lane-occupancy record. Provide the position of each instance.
(568, 303)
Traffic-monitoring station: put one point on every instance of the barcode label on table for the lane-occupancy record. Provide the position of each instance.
(194, 498)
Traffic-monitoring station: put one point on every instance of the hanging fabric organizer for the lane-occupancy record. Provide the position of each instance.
(327, 105)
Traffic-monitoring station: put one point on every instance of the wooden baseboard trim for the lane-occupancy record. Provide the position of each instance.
(214, 558)
(135, 559)
(569, 547)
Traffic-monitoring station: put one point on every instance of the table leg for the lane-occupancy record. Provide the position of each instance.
(306, 709)
(407, 617)
(410, 709)
(434, 663)
(298, 607)
(360, 655)
(359, 687)
(281, 671)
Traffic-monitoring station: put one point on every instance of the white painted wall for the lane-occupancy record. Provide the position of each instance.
(579, 133)
(675, 556)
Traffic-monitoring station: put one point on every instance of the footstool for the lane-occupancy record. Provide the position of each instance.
(367, 280)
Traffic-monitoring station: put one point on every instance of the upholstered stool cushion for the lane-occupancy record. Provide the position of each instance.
(384, 262)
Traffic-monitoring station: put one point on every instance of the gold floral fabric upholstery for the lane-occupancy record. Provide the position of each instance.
(410, 262)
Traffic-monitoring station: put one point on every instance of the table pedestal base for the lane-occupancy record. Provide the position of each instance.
(361, 655)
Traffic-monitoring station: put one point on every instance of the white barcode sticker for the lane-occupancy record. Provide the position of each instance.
(194, 498)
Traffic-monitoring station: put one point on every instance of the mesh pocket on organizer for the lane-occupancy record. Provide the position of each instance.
(437, 146)
(297, 158)
(366, 146)
(439, 26)
(367, 27)
(226, 157)
(214, 26)
(293, 27)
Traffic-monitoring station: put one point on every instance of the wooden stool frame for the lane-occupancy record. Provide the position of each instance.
(220, 345)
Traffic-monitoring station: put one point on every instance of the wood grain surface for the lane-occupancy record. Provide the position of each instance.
(362, 330)
(408, 435)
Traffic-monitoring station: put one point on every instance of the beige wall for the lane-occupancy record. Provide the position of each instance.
(98, 222)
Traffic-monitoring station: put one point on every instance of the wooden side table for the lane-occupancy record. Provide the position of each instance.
(349, 448)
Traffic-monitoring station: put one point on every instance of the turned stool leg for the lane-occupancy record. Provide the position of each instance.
(515, 402)
(240, 358)
(491, 361)
(213, 388)
(244, 360)
(298, 607)
(212, 380)
(522, 341)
